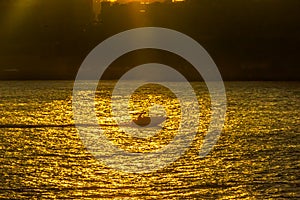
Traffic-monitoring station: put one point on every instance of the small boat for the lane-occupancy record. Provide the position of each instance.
(148, 121)
(142, 120)
(145, 121)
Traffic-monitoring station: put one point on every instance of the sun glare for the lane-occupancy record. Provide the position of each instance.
(142, 1)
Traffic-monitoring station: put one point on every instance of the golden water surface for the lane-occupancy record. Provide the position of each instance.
(256, 157)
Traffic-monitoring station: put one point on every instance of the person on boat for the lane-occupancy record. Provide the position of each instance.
(146, 120)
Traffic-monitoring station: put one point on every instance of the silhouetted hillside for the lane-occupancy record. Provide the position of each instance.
(249, 39)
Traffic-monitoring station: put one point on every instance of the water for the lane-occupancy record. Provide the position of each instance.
(256, 157)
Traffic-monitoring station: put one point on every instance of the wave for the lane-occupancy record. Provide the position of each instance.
(2, 126)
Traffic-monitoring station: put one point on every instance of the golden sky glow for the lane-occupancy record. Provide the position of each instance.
(97, 7)
(145, 1)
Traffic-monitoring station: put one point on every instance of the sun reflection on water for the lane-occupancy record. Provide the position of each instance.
(256, 156)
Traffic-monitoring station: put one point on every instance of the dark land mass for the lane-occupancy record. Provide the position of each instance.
(248, 40)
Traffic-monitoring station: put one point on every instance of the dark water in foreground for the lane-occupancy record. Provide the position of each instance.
(256, 157)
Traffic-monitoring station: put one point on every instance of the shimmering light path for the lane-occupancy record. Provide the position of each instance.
(257, 155)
